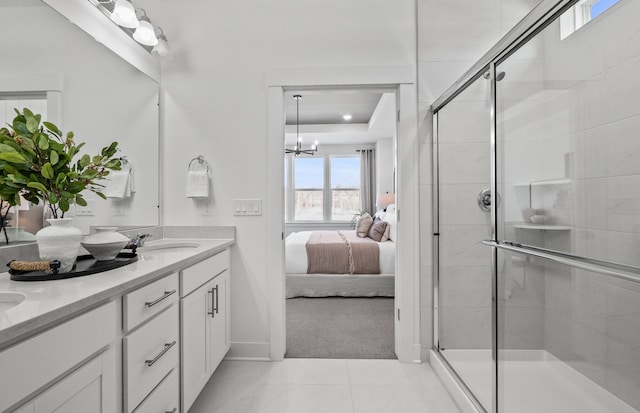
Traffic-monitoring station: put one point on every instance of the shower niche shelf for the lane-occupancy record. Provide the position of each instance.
(543, 227)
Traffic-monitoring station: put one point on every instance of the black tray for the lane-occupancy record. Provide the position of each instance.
(85, 265)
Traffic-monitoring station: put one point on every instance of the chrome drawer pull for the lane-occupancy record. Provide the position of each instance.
(167, 346)
(175, 409)
(217, 299)
(154, 302)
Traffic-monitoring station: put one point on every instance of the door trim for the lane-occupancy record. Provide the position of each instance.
(403, 79)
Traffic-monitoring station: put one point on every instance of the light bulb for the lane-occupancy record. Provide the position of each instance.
(124, 14)
(347, 117)
(145, 34)
(162, 48)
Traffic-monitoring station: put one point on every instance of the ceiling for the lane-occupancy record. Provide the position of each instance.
(321, 111)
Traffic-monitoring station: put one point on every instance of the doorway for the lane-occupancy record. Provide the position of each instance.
(402, 80)
(340, 161)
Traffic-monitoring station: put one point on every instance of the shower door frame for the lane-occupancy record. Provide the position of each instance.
(533, 23)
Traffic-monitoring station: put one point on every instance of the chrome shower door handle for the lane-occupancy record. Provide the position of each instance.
(484, 199)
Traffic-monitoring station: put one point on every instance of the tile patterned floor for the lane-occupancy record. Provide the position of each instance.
(324, 386)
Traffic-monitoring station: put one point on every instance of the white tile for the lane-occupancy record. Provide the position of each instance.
(462, 245)
(623, 320)
(294, 398)
(308, 371)
(621, 90)
(459, 205)
(621, 34)
(465, 286)
(622, 147)
(623, 372)
(389, 399)
(623, 203)
(465, 327)
(464, 122)
(377, 373)
(464, 162)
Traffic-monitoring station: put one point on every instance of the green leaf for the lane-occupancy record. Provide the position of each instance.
(53, 157)
(43, 142)
(75, 187)
(12, 157)
(101, 195)
(53, 128)
(60, 178)
(7, 148)
(38, 186)
(113, 164)
(32, 124)
(64, 205)
(47, 171)
(80, 201)
(53, 198)
(84, 161)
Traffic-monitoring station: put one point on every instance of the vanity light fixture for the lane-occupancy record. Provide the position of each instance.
(145, 33)
(124, 14)
(297, 150)
(162, 48)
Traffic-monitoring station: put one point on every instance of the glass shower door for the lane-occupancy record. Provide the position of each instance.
(568, 122)
(464, 313)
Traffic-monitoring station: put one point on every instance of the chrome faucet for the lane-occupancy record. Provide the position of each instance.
(139, 240)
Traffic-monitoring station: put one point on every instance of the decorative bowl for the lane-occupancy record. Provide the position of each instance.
(105, 244)
(105, 252)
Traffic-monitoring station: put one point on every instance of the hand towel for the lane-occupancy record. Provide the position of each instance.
(197, 184)
(117, 185)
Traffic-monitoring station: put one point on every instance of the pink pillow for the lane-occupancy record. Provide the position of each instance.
(363, 225)
(377, 230)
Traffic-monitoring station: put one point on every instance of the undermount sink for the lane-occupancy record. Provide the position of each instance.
(168, 246)
(10, 299)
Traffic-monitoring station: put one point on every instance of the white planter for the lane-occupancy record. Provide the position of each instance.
(59, 241)
(105, 244)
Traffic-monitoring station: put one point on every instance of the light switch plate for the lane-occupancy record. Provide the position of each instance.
(245, 207)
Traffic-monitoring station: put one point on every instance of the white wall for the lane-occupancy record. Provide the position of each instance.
(216, 105)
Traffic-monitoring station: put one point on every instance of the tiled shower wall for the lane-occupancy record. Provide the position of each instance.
(452, 35)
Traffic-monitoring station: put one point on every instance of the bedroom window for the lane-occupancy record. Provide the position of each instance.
(345, 187)
(308, 182)
(324, 188)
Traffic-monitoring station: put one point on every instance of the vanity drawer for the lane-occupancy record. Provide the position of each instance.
(198, 274)
(149, 354)
(165, 397)
(145, 302)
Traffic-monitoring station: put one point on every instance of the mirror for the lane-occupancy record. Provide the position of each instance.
(89, 90)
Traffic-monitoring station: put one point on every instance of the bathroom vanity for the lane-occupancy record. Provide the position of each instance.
(141, 338)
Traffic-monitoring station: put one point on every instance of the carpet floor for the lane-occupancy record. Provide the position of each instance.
(336, 327)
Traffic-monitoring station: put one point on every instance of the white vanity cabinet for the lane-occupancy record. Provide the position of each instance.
(205, 329)
(68, 368)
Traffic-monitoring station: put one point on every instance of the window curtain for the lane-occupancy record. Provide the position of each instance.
(368, 180)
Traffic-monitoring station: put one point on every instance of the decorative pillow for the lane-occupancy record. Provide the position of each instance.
(376, 232)
(363, 225)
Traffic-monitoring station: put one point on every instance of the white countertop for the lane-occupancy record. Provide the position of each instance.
(50, 302)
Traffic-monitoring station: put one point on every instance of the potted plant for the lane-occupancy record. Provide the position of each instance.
(38, 162)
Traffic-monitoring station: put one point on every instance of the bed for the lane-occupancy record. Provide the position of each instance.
(305, 280)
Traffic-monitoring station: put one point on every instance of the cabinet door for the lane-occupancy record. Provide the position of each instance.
(82, 391)
(195, 346)
(219, 322)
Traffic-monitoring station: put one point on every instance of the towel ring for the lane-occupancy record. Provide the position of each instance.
(200, 160)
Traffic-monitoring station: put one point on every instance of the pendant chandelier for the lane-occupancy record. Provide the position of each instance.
(297, 150)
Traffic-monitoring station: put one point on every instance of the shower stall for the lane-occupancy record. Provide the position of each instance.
(537, 215)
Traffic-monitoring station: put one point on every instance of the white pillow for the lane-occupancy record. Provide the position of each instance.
(390, 219)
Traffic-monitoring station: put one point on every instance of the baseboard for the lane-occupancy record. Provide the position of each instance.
(457, 393)
(249, 351)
